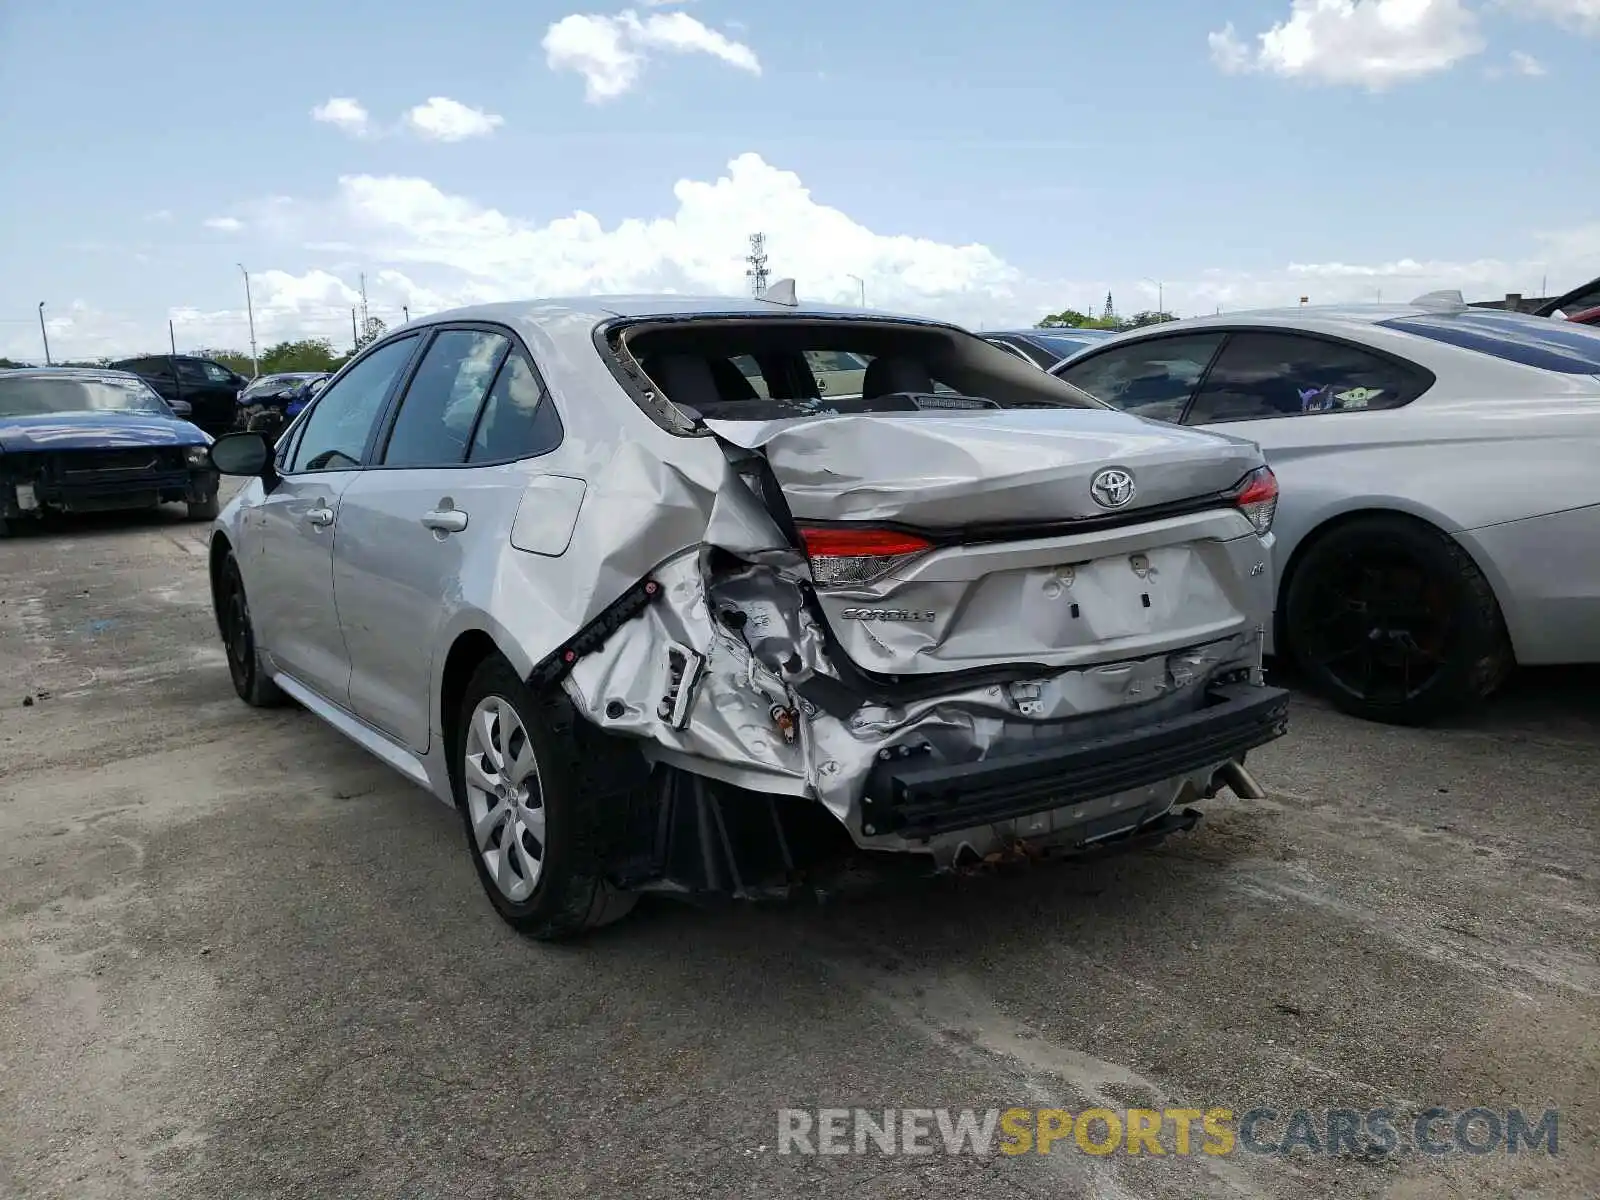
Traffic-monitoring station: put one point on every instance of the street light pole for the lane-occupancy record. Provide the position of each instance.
(1161, 294)
(862, 284)
(250, 309)
(45, 334)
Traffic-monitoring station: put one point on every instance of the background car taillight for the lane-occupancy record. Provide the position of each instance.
(844, 557)
(1257, 498)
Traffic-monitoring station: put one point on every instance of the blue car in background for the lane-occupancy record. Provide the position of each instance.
(269, 402)
(1044, 348)
(80, 440)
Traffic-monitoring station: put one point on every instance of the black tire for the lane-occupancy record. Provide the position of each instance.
(239, 640)
(571, 893)
(1389, 618)
(205, 510)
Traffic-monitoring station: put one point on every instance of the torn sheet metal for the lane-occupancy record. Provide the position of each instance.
(744, 722)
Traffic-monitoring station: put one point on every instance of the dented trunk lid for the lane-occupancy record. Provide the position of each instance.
(1022, 566)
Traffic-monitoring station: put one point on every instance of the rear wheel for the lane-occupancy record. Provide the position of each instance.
(1391, 620)
(536, 835)
(239, 639)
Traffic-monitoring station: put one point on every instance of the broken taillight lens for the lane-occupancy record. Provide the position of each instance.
(848, 557)
(1257, 498)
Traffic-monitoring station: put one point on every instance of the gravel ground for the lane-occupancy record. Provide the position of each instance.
(240, 958)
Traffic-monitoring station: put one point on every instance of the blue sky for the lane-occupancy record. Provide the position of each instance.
(986, 163)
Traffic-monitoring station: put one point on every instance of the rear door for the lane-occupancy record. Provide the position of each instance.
(289, 563)
(440, 501)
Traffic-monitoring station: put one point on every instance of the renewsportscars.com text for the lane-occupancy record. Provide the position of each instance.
(1171, 1131)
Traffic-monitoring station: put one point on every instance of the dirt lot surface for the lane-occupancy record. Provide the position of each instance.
(240, 958)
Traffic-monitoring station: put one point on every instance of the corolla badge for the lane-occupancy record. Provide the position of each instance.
(1112, 488)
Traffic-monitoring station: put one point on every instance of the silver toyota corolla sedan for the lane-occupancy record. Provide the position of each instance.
(615, 579)
(1441, 511)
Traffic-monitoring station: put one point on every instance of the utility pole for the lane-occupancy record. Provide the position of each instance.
(355, 338)
(250, 308)
(172, 337)
(364, 317)
(45, 334)
(1161, 294)
(861, 283)
(405, 311)
(757, 259)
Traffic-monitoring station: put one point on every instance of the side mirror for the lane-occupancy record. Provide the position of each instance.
(241, 454)
(181, 409)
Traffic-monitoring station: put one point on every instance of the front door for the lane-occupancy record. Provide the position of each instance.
(439, 502)
(295, 527)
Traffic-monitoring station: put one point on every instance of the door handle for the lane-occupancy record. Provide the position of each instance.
(445, 520)
(321, 516)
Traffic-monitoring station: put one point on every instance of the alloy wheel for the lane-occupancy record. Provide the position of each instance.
(505, 802)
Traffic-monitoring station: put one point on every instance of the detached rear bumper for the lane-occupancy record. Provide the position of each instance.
(908, 797)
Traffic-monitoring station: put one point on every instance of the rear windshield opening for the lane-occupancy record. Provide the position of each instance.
(774, 368)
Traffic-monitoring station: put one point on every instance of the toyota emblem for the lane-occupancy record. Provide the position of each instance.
(1112, 488)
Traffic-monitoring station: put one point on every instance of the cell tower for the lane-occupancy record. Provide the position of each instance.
(1110, 309)
(758, 264)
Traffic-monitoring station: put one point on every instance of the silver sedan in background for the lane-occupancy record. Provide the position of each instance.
(1440, 465)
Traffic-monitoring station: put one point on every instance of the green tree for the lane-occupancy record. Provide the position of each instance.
(309, 354)
(1067, 318)
(7, 363)
(374, 330)
(1140, 319)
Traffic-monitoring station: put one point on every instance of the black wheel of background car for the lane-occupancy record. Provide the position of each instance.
(205, 510)
(1392, 621)
(239, 640)
(535, 833)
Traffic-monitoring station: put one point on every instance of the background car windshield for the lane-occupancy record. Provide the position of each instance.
(40, 396)
(1531, 341)
(1063, 343)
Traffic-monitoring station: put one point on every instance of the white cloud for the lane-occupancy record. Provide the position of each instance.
(611, 52)
(224, 224)
(444, 120)
(344, 114)
(1369, 43)
(1582, 15)
(1526, 64)
(426, 248)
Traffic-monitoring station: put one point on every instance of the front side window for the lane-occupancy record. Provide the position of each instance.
(436, 417)
(337, 429)
(1153, 378)
(190, 371)
(1264, 375)
(519, 421)
(217, 373)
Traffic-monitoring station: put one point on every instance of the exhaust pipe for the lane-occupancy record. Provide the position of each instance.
(1237, 780)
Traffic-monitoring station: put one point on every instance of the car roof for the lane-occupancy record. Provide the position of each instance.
(1053, 331)
(596, 309)
(1332, 318)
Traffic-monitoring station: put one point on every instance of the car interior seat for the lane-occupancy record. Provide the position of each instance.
(890, 374)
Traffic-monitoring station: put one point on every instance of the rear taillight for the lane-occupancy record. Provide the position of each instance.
(1257, 498)
(846, 557)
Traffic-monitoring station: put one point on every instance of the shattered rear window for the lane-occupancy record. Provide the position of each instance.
(767, 369)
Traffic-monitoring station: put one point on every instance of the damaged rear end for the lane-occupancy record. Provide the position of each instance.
(965, 614)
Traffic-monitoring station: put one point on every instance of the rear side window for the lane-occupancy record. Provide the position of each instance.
(1530, 341)
(441, 404)
(1264, 375)
(1151, 379)
(519, 421)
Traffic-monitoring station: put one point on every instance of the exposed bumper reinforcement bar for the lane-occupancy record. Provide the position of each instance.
(912, 798)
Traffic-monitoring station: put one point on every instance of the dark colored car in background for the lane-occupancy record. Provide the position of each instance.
(1588, 316)
(78, 440)
(210, 389)
(270, 402)
(1046, 347)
